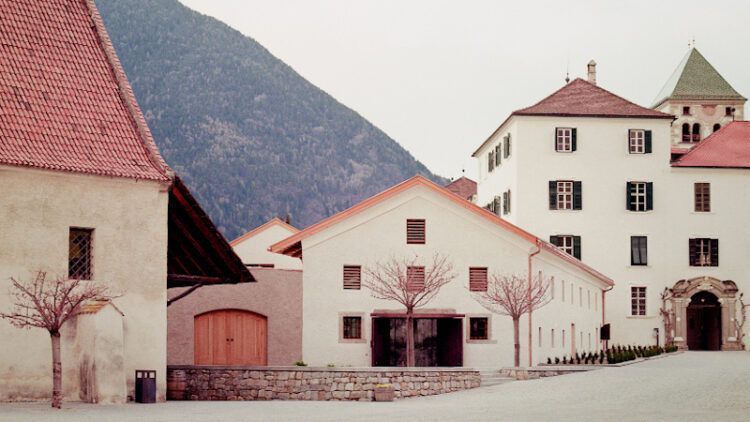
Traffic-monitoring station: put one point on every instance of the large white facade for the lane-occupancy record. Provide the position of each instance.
(469, 237)
(603, 164)
(252, 247)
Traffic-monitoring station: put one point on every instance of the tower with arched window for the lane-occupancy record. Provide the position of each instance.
(700, 98)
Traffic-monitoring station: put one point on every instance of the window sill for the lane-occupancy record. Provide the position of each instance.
(640, 317)
(639, 266)
(639, 212)
(704, 266)
(352, 340)
(701, 212)
(477, 341)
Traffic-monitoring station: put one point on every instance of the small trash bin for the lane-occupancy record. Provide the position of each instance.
(145, 386)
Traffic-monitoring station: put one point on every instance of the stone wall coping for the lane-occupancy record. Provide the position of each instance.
(377, 369)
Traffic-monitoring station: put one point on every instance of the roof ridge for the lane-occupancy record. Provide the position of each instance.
(548, 96)
(125, 92)
(275, 221)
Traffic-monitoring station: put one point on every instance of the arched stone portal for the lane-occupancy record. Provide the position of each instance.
(704, 310)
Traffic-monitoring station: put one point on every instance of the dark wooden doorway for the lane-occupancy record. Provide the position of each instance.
(437, 341)
(704, 322)
(230, 337)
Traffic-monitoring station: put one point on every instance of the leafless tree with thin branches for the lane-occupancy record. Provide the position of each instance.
(514, 295)
(667, 316)
(48, 304)
(739, 323)
(410, 283)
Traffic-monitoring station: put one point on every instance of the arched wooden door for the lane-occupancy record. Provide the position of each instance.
(230, 337)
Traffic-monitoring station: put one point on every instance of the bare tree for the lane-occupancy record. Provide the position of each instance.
(411, 284)
(514, 295)
(42, 304)
(667, 316)
(739, 323)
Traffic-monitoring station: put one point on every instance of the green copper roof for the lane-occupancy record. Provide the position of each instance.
(696, 79)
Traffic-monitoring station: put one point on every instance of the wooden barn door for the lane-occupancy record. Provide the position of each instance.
(230, 337)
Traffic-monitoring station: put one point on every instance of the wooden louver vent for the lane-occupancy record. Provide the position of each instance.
(414, 279)
(352, 277)
(415, 231)
(478, 279)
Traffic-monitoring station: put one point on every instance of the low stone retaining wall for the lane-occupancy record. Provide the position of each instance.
(545, 371)
(300, 383)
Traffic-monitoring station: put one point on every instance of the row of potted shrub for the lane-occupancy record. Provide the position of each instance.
(612, 355)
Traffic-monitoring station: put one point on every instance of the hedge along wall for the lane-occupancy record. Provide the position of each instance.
(299, 383)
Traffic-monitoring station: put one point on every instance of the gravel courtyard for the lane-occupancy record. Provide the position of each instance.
(692, 386)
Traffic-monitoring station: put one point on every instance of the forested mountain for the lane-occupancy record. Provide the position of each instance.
(251, 137)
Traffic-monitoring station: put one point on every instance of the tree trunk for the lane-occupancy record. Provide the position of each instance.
(56, 371)
(516, 343)
(410, 355)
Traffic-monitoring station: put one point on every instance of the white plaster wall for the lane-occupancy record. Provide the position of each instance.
(254, 250)
(504, 177)
(603, 164)
(37, 208)
(378, 234)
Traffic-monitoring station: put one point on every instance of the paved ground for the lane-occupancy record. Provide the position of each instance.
(693, 386)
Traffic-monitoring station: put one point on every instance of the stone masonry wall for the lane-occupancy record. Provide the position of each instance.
(300, 383)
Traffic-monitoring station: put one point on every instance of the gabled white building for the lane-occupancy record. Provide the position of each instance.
(252, 247)
(592, 172)
(344, 325)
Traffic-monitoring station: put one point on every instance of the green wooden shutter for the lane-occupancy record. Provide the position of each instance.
(649, 196)
(552, 194)
(577, 195)
(577, 246)
(498, 154)
(647, 142)
(693, 252)
(574, 142)
(628, 196)
(554, 139)
(714, 252)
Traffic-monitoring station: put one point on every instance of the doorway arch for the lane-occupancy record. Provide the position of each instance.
(704, 310)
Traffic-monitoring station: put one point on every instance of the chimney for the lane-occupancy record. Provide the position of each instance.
(592, 72)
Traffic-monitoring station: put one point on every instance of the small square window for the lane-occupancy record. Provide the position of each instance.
(479, 328)
(80, 257)
(729, 111)
(704, 252)
(352, 328)
(686, 111)
(415, 232)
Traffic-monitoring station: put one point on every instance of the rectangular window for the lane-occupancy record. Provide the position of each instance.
(498, 154)
(506, 152)
(728, 111)
(704, 252)
(478, 279)
(352, 328)
(565, 139)
(638, 250)
(479, 328)
(637, 141)
(639, 196)
(506, 202)
(415, 232)
(637, 301)
(564, 195)
(414, 279)
(702, 197)
(80, 253)
(491, 161)
(686, 111)
(497, 205)
(568, 244)
(352, 277)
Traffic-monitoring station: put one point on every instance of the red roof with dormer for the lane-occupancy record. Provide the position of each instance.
(728, 147)
(584, 99)
(463, 187)
(65, 103)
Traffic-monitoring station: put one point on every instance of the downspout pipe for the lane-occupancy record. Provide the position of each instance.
(604, 305)
(531, 255)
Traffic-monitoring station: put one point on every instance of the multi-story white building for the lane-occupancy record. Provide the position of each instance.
(345, 325)
(593, 172)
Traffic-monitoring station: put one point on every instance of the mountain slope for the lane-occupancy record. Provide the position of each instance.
(250, 137)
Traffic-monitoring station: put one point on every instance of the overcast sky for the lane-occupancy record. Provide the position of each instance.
(440, 76)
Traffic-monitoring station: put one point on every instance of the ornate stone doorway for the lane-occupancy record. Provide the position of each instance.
(704, 322)
(704, 311)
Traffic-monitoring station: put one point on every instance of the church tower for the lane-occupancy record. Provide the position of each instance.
(700, 98)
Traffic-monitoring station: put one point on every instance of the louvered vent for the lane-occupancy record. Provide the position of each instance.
(415, 232)
(478, 279)
(415, 279)
(352, 277)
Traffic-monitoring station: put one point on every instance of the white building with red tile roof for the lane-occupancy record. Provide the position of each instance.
(593, 173)
(343, 324)
(85, 194)
(252, 247)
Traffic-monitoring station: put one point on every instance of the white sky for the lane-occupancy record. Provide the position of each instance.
(439, 76)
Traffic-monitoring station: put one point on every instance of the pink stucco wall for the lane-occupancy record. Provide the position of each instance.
(277, 295)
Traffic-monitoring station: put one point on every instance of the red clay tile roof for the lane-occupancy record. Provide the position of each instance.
(65, 103)
(727, 147)
(582, 98)
(463, 187)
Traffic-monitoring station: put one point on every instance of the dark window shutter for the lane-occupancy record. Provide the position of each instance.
(509, 201)
(714, 252)
(554, 139)
(577, 246)
(647, 142)
(498, 154)
(628, 196)
(552, 194)
(553, 240)
(649, 196)
(634, 250)
(505, 202)
(574, 143)
(491, 161)
(693, 251)
(577, 196)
